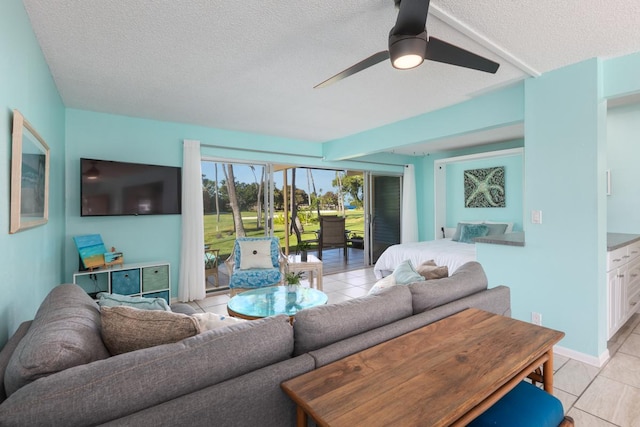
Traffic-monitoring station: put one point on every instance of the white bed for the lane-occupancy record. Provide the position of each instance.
(442, 251)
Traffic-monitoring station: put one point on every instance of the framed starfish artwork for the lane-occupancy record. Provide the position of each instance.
(484, 188)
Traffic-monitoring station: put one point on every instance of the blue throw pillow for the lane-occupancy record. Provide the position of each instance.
(469, 232)
(405, 274)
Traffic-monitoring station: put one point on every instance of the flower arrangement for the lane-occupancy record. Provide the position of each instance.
(292, 278)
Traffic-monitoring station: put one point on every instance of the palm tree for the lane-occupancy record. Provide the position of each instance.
(258, 203)
(215, 168)
(233, 200)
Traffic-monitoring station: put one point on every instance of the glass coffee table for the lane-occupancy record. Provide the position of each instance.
(274, 300)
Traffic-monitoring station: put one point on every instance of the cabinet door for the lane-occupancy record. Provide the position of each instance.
(632, 288)
(125, 282)
(613, 285)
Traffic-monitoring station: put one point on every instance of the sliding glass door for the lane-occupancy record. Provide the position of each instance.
(382, 214)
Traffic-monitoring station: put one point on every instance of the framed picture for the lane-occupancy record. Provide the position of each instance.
(29, 176)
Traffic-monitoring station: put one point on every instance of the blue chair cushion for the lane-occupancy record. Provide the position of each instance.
(524, 406)
(255, 278)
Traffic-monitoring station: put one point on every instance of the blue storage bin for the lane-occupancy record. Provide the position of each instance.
(125, 282)
(161, 294)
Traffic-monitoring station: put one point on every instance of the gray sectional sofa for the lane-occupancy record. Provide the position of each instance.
(55, 370)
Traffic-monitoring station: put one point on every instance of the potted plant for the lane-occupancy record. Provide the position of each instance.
(292, 279)
(303, 247)
(357, 241)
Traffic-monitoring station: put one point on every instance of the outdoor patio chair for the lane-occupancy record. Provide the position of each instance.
(255, 262)
(332, 234)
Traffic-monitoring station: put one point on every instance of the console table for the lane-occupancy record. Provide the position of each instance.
(446, 373)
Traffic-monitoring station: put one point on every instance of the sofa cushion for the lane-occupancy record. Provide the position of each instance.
(468, 279)
(113, 300)
(65, 332)
(323, 325)
(126, 329)
(109, 389)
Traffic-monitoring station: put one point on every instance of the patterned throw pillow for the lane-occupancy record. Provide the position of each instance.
(127, 329)
(469, 232)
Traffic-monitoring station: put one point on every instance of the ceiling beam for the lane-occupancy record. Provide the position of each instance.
(482, 40)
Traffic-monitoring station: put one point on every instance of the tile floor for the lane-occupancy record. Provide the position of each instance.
(594, 397)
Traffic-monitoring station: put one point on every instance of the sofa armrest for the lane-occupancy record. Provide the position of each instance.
(7, 351)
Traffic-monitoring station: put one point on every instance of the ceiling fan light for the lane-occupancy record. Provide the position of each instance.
(407, 51)
(408, 61)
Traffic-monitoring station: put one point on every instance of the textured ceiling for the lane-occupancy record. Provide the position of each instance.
(251, 66)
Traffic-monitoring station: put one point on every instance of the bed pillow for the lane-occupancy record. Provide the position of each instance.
(456, 235)
(509, 225)
(470, 232)
(495, 229)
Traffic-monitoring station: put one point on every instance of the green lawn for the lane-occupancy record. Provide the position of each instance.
(221, 235)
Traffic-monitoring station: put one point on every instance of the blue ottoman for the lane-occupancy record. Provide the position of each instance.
(524, 406)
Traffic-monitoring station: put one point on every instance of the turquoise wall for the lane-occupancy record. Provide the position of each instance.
(425, 168)
(30, 260)
(512, 212)
(623, 151)
(158, 237)
(560, 272)
(495, 109)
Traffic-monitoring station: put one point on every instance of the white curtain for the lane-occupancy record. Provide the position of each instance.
(192, 286)
(409, 220)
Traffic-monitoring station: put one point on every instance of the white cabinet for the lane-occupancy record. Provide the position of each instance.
(623, 285)
(149, 280)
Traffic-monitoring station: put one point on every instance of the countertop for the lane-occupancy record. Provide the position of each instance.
(510, 239)
(618, 240)
(614, 240)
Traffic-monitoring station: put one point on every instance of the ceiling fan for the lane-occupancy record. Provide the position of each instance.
(409, 46)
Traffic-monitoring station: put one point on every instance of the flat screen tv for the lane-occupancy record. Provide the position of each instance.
(116, 188)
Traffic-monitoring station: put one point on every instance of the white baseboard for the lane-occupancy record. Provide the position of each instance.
(582, 357)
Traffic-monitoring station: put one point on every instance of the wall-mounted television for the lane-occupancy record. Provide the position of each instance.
(117, 188)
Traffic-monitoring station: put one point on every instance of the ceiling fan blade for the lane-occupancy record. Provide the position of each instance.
(370, 61)
(412, 17)
(441, 51)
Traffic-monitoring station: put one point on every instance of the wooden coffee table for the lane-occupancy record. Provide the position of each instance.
(446, 373)
(274, 300)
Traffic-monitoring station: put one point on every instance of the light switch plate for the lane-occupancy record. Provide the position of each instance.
(536, 217)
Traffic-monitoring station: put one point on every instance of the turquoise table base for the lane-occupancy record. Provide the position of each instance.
(274, 300)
